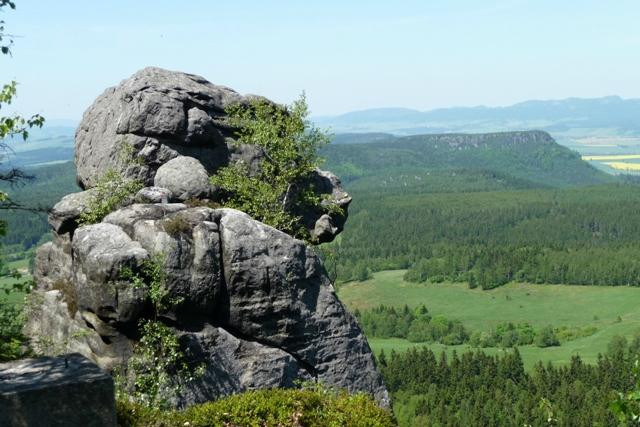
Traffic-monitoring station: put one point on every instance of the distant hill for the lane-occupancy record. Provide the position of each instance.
(572, 117)
(53, 143)
(518, 159)
(491, 208)
(360, 138)
(608, 125)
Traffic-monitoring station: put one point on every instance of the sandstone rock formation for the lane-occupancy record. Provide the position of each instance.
(256, 307)
(174, 125)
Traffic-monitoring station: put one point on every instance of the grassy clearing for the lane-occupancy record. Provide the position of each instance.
(612, 310)
(22, 266)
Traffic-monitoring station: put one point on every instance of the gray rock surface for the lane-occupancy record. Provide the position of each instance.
(257, 308)
(326, 222)
(53, 262)
(54, 328)
(62, 391)
(174, 126)
(185, 178)
(100, 252)
(236, 364)
(63, 218)
(160, 114)
(127, 217)
(279, 293)
(153, 195)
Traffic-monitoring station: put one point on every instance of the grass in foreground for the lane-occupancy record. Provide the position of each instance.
(277, 407)
(612, 310)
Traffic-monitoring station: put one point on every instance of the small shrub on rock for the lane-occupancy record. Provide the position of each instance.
(176, 226)
(110, 193)
(158, 363)
(289, 145)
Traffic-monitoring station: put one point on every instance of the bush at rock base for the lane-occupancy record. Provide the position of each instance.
(313, 406)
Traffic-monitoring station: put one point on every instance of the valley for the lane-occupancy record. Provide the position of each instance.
(485, 231)
(610, 311)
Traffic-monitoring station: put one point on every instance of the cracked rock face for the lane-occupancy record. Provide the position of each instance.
(257, 308)
(174, 125)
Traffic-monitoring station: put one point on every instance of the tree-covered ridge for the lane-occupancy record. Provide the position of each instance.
(530, 156)
(580, 236)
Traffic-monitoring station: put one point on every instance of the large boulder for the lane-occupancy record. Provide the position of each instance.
(170, 129)
(161, 115)
(185, 178)
(64, 215)
(64, 391)
(279, 292)
(153, 195)
(256, 308)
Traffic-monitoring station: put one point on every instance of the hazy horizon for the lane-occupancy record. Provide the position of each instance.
(73, 121)
(346, 56)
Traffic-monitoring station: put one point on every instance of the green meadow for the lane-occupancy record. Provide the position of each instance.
(612, 310)
(21, 266)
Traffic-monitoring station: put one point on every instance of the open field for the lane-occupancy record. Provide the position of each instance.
(612, 157)
(22, 266)
(625, 166)
(540, 305)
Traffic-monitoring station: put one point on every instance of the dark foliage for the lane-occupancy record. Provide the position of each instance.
(477, 389)
(582, 236)
(49, 184)
(415, 325)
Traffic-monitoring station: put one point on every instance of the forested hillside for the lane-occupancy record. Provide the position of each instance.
(583, 236)
(48, 185)
(486, 209)
(527, 156)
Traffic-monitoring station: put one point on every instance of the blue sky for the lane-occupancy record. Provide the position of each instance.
(346, 55)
